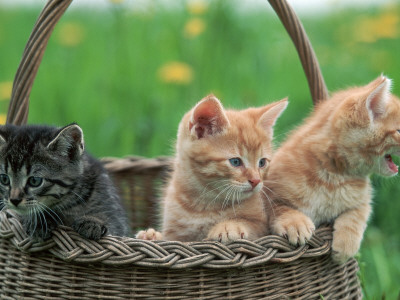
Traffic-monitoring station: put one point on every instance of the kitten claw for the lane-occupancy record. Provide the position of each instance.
(149, 235)
(228, 231)
(104, 231)
(296, 227)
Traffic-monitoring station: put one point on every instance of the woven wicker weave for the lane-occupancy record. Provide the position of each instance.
(70, 267)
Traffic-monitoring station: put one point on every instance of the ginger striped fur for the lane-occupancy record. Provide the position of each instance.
(221, 161)
(321, 173)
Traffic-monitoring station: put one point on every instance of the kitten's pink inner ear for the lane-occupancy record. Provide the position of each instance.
(268, 119)
(378, 98)
(208, 117)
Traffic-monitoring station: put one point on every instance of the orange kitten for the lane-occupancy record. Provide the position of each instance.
(220, 164)
(321, 173)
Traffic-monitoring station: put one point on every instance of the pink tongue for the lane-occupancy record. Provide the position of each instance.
(391, 164)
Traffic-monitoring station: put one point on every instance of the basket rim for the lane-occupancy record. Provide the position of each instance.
(137, 164)
(69, 246)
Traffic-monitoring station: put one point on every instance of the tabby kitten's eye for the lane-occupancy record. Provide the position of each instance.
(4, 179)
(236, 162)
(35, 181)
(262, 163)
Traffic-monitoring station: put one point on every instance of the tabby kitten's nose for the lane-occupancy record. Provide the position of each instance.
(254, 182)
(15, 201)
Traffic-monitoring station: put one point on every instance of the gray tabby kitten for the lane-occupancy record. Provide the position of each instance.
(48, 179)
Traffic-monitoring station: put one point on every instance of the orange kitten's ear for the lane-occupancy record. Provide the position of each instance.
(208, 118)
(268, 118)
(378, 97)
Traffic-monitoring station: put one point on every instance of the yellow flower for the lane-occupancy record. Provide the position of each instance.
(5, 90)
(71, 34)
(194, 27)
(197, 7)
(370, 30)
(3, 119)
(176, 72)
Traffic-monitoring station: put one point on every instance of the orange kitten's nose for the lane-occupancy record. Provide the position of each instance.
(254, 182)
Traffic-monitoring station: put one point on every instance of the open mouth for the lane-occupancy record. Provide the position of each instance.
(391, 165)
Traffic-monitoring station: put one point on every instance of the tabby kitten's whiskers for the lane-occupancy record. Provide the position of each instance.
(48, 179)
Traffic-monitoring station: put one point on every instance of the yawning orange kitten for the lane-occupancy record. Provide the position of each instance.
(321, 173)
(221, 161)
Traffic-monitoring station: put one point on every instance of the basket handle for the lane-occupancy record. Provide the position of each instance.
(54, 9)
(303, 46)
(31, 58)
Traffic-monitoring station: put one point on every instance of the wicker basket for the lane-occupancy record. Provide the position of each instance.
(70, 267)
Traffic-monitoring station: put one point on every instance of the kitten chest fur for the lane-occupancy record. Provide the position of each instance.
(187, 222)
(315, 185)
(325, 203)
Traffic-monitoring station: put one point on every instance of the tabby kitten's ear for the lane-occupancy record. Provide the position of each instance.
(272, 113)
(68, 142)
(377, 97)
(208, 118)
(2, 139)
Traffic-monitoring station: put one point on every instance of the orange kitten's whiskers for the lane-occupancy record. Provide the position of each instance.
(233, 195)
(264, 213)
(267, 188)
(221, 161)
(228, 196)
(216, 182)
(226, 189)
(270, 202)
(205, 193)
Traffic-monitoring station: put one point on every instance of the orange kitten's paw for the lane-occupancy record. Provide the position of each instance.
(149, 234)
(294, 225)
(344, 246)
(228, 231)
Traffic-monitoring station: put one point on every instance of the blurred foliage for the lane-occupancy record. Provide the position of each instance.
(127, 77)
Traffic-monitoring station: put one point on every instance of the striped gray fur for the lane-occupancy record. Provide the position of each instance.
(48, 179)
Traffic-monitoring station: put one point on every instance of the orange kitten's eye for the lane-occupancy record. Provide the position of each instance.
(236, 161)
(262, 163)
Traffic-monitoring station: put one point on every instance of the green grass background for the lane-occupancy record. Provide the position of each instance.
(109, 83)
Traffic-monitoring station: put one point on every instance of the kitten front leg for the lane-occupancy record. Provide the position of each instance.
(293, 224)
(348, 232)
(90, 227)
(231, 230)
